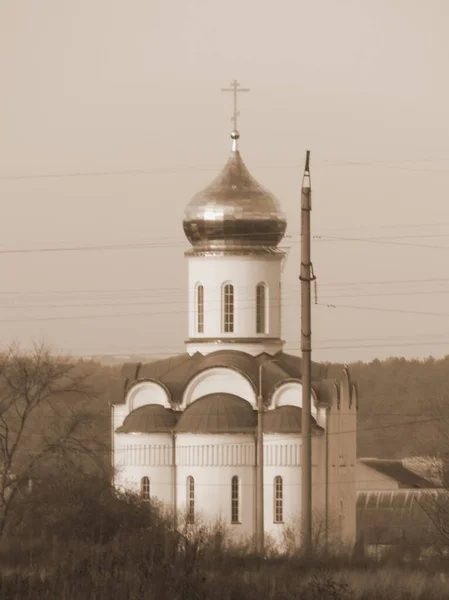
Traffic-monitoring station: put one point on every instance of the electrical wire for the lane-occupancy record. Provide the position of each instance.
(320, 163)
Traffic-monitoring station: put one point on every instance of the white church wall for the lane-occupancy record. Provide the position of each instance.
(119, 414)
(145, 455)
(244, 273)
(219, 379)
(282, 456)
(255, 348)
(213, 460)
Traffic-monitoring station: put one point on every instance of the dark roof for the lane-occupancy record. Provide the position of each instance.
(396, 470)
(218, 413)
(395, 517)
(327, 391)
(151, 418)
(176, 372)
(285, 419)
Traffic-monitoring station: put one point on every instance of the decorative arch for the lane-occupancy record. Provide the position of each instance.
(289, 393)
(227, 379)
(228, 307)
(199, 308)
(147, 392)
(261, 308)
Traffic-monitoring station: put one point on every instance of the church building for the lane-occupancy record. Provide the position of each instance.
(184, 428)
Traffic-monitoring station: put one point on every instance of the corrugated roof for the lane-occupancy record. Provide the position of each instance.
(395, 517)
(152, 418)
(218, 413)
(396, 470)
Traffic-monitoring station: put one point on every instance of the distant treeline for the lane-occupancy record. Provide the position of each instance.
(403, 407)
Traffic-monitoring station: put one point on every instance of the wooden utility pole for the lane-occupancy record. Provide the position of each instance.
(306, 350)
(259, 476)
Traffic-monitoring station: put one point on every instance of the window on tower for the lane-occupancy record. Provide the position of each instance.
(190, 500)
(278, 500)
(228, 308)
(235, 500)
(200, 309)
(145, 488)
(261, 301)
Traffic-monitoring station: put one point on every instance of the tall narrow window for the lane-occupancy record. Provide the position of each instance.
(200, 309)
(235, 500)
(228, 308)
(190, 500)
(261, 300)
(278, 500)
(145, 488)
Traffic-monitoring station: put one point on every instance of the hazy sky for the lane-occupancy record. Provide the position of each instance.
(107, 86)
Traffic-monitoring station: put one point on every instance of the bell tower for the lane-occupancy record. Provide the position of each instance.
(234, 227)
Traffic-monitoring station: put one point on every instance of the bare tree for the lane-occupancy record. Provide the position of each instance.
(43, 397)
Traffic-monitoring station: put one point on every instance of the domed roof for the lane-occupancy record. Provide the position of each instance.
(218, 413)
(284, 419)
(151, 418)
(234, 212)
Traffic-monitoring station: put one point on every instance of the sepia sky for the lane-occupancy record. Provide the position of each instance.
(111, 118)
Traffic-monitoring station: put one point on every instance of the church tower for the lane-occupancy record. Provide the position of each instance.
(234, 265)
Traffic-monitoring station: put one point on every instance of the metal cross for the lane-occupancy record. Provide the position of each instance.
(235, 88)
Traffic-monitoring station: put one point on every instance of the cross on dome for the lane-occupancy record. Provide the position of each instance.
(235, 89)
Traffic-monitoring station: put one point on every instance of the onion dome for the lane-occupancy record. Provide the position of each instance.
(151, 418)
(284, 419)
(234, 212)
(218, 413)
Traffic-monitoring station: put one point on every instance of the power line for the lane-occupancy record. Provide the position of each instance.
(150, 313)
(183, 291)
(382, 242)
(167, 353)
(184, 302)
(392, 310)
(384, 163)
(293, 239)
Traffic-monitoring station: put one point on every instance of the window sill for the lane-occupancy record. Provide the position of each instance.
(278, 523)
(236, 522)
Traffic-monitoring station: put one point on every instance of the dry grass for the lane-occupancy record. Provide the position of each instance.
(135, 553)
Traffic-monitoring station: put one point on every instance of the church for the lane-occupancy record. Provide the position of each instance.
(184, 428)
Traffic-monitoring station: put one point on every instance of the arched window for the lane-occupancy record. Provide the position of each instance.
(145, 488)
(200, 309)
(235, 500)
(190, 500)
(261, 308)
(278, 500)
(228, 308)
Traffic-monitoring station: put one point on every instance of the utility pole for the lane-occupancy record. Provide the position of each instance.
(259, 474)
(306, 351)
